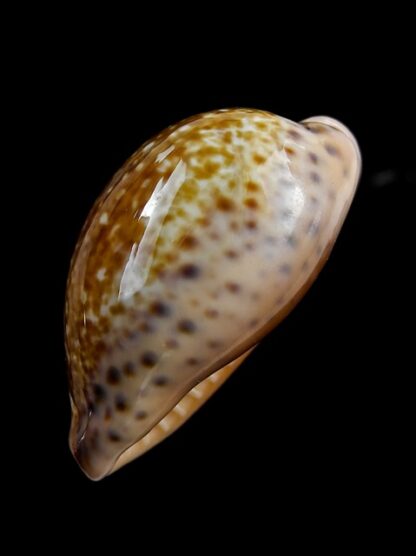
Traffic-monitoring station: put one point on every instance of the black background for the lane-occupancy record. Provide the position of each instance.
(319, 413)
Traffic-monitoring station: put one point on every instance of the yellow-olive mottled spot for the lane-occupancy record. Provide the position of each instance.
(225, 204)
(259, 159)
(252, 186)
(251, 203)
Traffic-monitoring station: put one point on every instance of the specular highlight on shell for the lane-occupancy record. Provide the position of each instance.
(200, 245)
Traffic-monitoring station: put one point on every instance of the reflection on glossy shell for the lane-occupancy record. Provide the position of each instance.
(201, 243)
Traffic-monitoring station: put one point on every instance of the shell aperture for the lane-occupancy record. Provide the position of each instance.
(200, 245)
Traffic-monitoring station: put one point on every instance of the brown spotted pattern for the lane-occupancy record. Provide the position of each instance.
(202, 242)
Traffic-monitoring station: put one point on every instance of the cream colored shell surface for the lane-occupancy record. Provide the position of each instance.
(201, 243)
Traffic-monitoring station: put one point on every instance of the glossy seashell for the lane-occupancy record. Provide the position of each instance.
(200, 245)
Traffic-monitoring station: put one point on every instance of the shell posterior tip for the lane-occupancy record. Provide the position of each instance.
(327, 121)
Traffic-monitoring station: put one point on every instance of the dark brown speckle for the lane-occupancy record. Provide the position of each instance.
(192, 361)
(149, 359)
(140, 415)
(316, 178)
(120, 402)
(186, 326)
(171, 343)
(214, 235)
(160, 309)
(316, 128)
(251, 225)
(146, 327)
(190, 271)
(160, 380)
(293, 134)
(100, 393)
(231, 254)
(113, 375)
(211, 313)
(233, 287)
(129, 369)
(331, 149)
